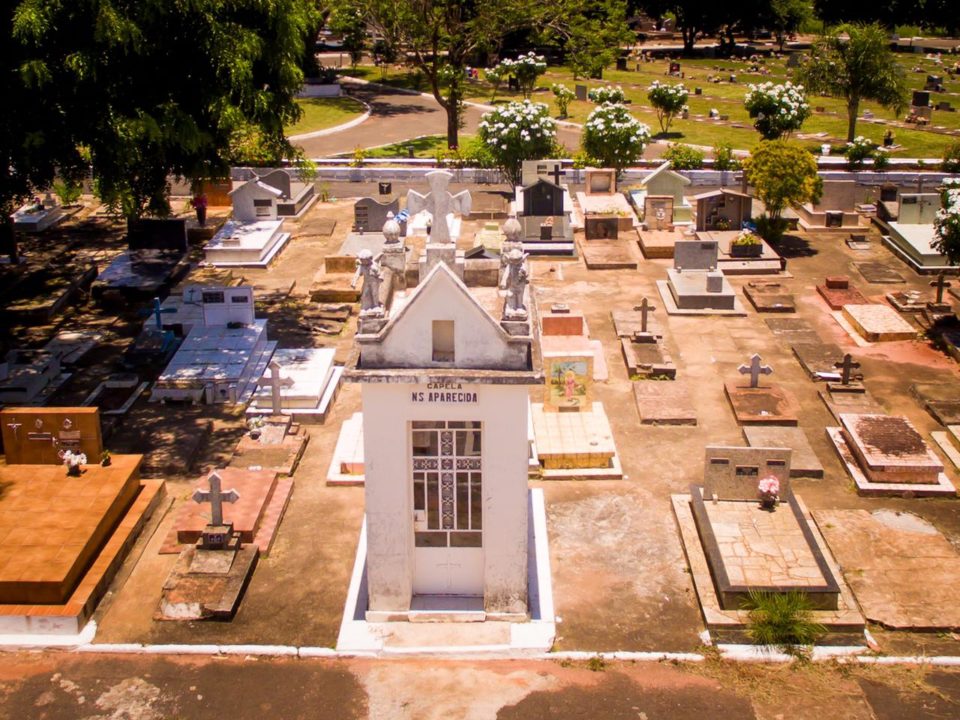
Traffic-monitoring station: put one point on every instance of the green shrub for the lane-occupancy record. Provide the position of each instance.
(683, 157)
(723, 157)
(784, 620)
(951, 158)
(769, 228)
(69, 191)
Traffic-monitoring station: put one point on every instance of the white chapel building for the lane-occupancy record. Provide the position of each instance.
(445, 379)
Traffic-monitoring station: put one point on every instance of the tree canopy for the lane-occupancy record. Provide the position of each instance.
(151, 88)
(857, 67)
(783, 174)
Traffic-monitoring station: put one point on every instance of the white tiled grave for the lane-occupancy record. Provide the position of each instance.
(217, 364)
(29, 221)
(878, 323)
(346, 466)
(246, 244)
(316, 381)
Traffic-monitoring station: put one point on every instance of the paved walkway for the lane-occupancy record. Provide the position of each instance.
(396, 116)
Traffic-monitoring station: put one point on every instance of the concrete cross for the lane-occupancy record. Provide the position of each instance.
(158, 312)
(438, 202)
(644, 307)
(276, 384)
(755, 369)
(940, 283)
(845, 366)
(557, 174)
(216, 497)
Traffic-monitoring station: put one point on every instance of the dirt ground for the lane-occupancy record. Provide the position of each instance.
(113, 687)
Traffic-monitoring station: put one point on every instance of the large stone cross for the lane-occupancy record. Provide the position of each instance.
(276, 384)
(216, 497)
(846, 366)
(645, 308)
(755, 369)
(438, 202)
(940, 284)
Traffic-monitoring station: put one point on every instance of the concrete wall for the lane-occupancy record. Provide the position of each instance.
(388, 410)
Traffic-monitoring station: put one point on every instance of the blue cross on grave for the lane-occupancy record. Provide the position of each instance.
(158, 311)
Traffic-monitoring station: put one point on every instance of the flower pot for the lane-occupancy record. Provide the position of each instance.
(106, 462)
(73, 470)
(201, 216)
(255, 434)
(768, 503)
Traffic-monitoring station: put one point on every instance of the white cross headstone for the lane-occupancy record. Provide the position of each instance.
(438, 202)
(755, 369)
(276, 384)
(216, 497)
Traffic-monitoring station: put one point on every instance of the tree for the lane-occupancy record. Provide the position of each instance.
(668, 101)
(782, 174)
(856, 69)
(154, 88)
(348, 22)
(695, 18)
(516, 132)
(784, 17)
(590, 31)
(440, 37)
(612, 137)
(946, 240)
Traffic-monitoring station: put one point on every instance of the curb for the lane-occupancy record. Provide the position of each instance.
(336, 128)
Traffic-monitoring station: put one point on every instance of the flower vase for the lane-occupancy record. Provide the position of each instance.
(768, 503)
(201, 216)
(255, 434)
(73, 471)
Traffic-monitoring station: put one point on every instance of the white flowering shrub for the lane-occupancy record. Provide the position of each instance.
(668, 101)
(613, 137)
(946, 225)
(606, 94)
(526, 69)
(494, 76)
(859, 150)
(563, 96)
(516, 132)
(777, 110)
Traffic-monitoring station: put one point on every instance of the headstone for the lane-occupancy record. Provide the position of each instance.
(601, 181)
(569, 385)
(733, 473)
(278, 179)
(543, 199)
(157, 234)
(695, 254)
(921, 98)
(581, 92)
(439, 202)
(369, 215)
(276, 384)
(216, 497)
(226, 305)
(601, 227)
(621, 64)
(36, 436)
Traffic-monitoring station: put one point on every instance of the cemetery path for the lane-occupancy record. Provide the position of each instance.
(53, 686)
(396, 116)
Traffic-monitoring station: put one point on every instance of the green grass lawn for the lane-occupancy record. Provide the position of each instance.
(322, 113)
(829, 116)
(423, 147)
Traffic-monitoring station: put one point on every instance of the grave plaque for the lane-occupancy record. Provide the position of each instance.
(35, 436)
(369, 215)
(921, 98)
(569, 384)
(733, 473)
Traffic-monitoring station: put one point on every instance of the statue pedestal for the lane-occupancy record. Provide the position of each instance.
(441, 253)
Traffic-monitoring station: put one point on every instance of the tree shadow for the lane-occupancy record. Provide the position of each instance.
(793, 246)
(668, 136)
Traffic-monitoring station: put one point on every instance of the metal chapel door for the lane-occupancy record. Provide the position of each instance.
(448, 508)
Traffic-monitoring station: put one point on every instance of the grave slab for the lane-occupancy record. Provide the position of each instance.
(727, 625)
(941, 400)
(883, 553)
(664, 403)
(819, 359)
(878, 323)
(949, 443)
(195, 592)
(314, 384)
(848, 402)
(793, 330)
(847, 451)
(770, 297)
(246, 244)
(607, 255)
(255, 515)
(575, 445)
(279, 447)
(907, 301)
(878, 273)
(839, 293)
(647, 357)
(627, 323)
(803, 460)
(658, 243)
(670, 305)
(346, 465)
(764, 405)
